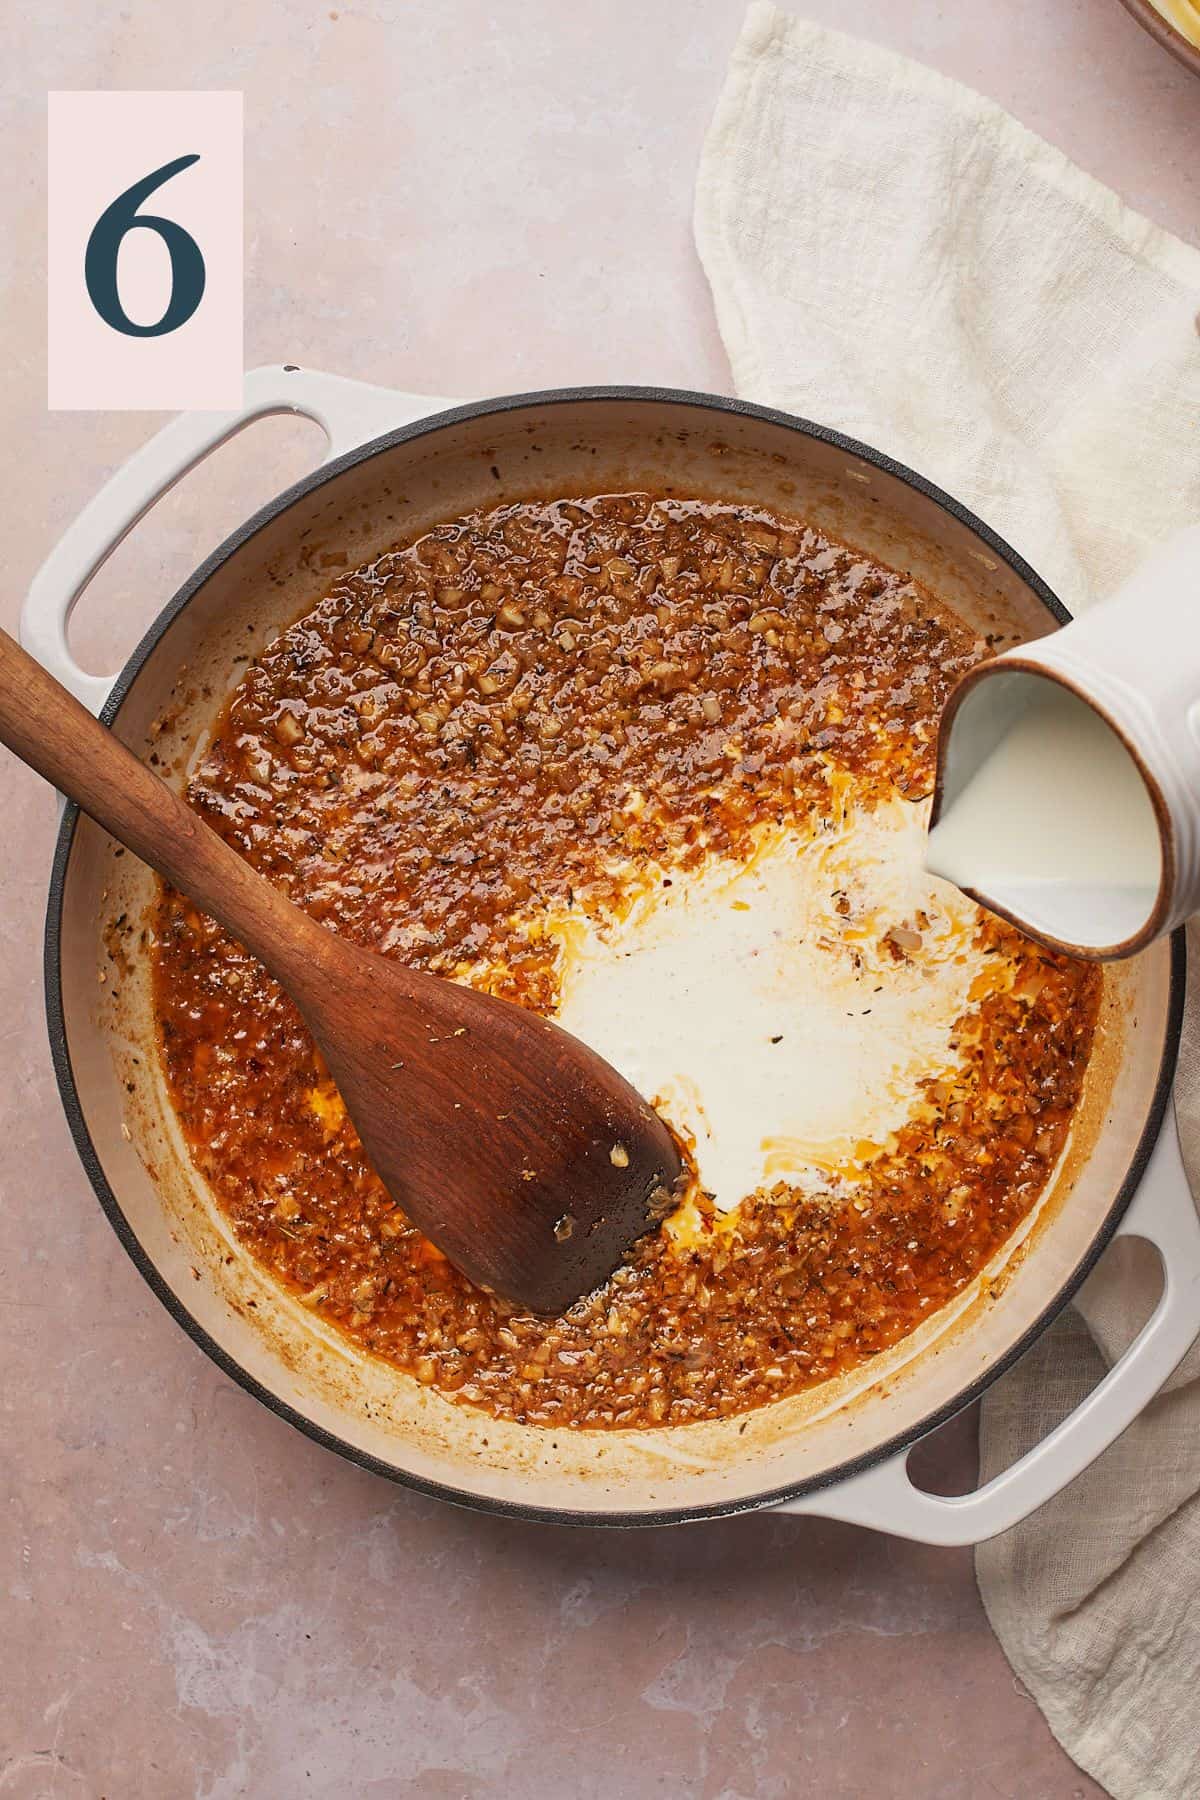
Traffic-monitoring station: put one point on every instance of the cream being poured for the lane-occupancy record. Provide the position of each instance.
(782, 1012)
(1046, 815)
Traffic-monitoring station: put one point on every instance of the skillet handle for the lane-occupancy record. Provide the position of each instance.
(885, 1499)
(348, 412)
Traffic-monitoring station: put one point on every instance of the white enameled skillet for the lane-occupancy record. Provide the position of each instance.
(395, 464)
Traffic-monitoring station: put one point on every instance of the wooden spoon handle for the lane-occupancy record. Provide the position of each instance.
(48, 729)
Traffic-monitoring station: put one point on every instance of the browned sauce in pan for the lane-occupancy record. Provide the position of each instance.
(448, 744)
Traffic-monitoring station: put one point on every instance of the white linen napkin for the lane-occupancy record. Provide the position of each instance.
(892, 255)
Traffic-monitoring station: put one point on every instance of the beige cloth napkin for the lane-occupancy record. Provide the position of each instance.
(892, 255)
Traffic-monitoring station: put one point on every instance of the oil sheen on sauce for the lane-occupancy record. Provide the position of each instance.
(1054, 823)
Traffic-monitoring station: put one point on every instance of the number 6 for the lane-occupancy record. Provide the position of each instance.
(100, 258)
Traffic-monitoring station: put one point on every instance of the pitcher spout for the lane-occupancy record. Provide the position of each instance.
(1068, 771)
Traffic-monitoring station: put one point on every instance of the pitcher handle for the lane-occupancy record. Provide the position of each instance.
(885, 1497)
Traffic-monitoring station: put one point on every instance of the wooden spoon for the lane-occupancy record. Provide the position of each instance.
(528, 1160)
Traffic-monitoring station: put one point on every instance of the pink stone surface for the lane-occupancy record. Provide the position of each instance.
(194, 1600)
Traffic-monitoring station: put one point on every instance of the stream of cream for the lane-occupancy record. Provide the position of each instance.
(763, 1006)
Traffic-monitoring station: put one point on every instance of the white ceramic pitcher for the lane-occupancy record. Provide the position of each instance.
(1068, 778)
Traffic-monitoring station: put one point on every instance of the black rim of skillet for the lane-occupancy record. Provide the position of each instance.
(615, 1516)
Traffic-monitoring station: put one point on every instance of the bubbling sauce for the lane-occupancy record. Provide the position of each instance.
(659, 768)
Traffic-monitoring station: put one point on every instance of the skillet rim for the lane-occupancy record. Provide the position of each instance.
(610, 1518)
